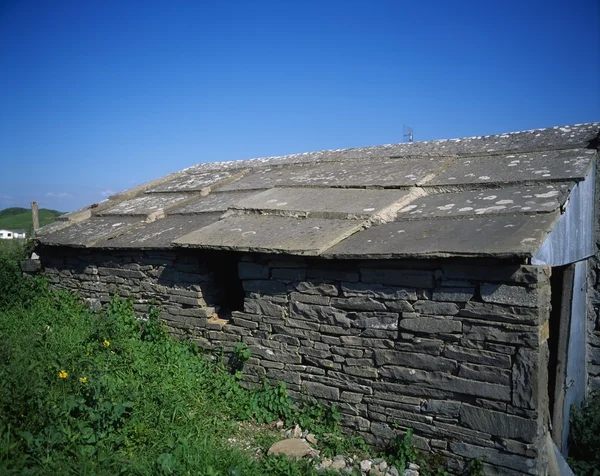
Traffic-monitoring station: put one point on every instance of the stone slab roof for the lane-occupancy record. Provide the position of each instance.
(494, 196)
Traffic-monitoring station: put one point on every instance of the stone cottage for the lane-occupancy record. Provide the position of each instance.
(450, 286)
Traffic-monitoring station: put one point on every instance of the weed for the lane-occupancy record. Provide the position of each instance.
(584, 439)
(401, 451)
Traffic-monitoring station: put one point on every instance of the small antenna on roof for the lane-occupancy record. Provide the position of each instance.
(408, 133)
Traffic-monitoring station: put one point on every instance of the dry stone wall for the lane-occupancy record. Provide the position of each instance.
(454, 351)
(594, 301)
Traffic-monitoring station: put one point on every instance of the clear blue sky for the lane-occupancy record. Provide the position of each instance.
(96, 96)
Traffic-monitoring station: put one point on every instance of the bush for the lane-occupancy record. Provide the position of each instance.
(584, 438)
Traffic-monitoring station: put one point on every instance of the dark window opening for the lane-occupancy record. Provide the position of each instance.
(227, 292)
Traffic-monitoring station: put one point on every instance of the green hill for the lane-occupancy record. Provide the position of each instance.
(20, 218)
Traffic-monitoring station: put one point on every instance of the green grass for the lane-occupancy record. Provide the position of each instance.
(20, 218)
(104, 393)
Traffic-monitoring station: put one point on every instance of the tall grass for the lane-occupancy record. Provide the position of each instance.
(104, 393)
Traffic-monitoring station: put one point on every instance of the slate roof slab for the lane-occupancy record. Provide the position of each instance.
(482, 196)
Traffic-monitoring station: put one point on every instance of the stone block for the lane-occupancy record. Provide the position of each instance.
(524, 274)
(594, 355)
(365, 342)
(244, 323)
(379, 291)
(399, 306)
(515, 295)
(408, 278)
(430, 325)
(319, 390)
(445, 408)
(435, 308)
(319, 314)
(310, 299)
(289, 274)
(421, 345)
(361, 371)
(504, 313)
(477, 356)
(332, 274)
(384, 321)
(495, 457)
(447, 382)
(265, 307)
(32, 266)
(418, 361)
(499, 423)
(361, 303)
(351, 397)
(453, 294)
(485, 373)
(321, 289)
(525, 378)
(262, 286)
(502, 333)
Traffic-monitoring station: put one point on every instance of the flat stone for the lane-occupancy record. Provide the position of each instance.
(323, 202)
(31, 265)
(495, 457)
(517, 168)
(322, 289)
(498, 423)
(525, 379)
(160, 233)
(187, 182)
(430, 325)
(453, 294)
(309, 236)
(499, 236)
(444, 381)
(145, 204)
(385, 292)
(377, 172)
(398, 277)
(292, 447)
(418, 361)
(514, 295)
(498, 312)
(319, 390)
(89, 232)
(213, 202)
(540, 198)
(477, 356)
(358, 304)
(436, 308)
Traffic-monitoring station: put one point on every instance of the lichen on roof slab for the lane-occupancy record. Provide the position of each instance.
(309, 236)
(517, 168)
(213, 202)
(350, 173)
(452, 197)
(489, 201)
(323, 202)
(89, 232)
(158, 234)
(500, 236)
(145, 204)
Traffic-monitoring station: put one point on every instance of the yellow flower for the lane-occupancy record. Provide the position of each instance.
(63, 374)
(83, 379)
(105, 343)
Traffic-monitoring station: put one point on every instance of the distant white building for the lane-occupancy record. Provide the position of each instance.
(11, 234)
